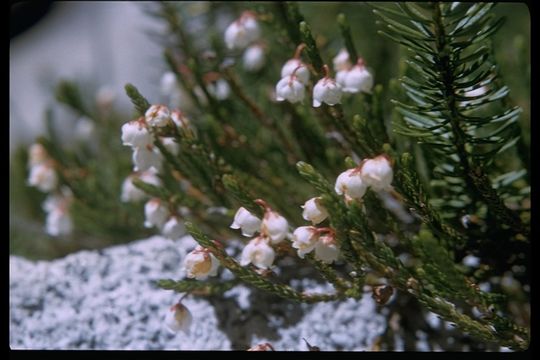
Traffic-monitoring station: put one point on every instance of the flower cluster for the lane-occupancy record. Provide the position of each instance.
(352, 78)
(273, 229)
(244, 33)
(43, 176)
(376, 173)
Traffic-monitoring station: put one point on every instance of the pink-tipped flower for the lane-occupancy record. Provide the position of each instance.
(357, 79)
(246, 221)
(327, 90)
(274, 226)
(314, 211)
(350, 184)
(258, 253)
(291, 89)
(326, 248)
(200, 264)
(304, 239)
(179, 318)
(135, 134)
(377, 173)
(179, 119)
(242, 31)
(157, 116)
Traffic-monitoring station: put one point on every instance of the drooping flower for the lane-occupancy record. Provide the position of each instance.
(171, 145)
(254, 58)
(84, 129)
(58, 222)
(350, 183)
(262, 347)
(156, 213)
(274, 226)
(326, 90)
(246, 221)
(200, 264)
(297, 67)
(37, 154)
(314, 211)
(291, 89)
(157, 115)
(326, 248)
(43, 176)
(179, 119)
(179, 318)
(357, 79)
(145, 158)
(220, 89)
(304, 239)
(135, 133)
(131, 193)
(174, 228)
(258, 253)
(377, 173)
(341, 61)
(242, 31)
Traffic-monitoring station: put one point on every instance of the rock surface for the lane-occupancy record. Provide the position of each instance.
(106, 300)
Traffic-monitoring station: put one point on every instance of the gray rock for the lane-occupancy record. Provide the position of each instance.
(106, 300)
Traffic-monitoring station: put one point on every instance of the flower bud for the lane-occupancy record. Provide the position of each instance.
(242, 32)
(135, 133)
(274, 226)
(179, 318)
(350, 183)
(156, 213)
(145, 158)
(289, 88)
(173, 228)
(157, 115)
(296, 67)
(326, 249)
(314, 211)
(304, 239)
(258, 253)
(328, 91)
(377, 173)
(341, 61)
(357, 79)
(200, 264)
(37, 154)
(254, 58)
(219, 89)
(43, 176)
(246, 221)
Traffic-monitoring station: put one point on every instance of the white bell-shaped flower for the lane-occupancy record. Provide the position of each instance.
(314, 211)
(157, 115)
(242, 32)
(168, 84)
(171, 145)
(105, 96)
(156, 213)
(326, 249)
(258, 253)
(350, 183)
(200, 264)
(131, 193)
(289, 88)
(304, 239)
(174, 228)
(178, 319)
(357, 79)
(219, 89)
(37, 154)
(296, 67)
(254, 58)
(326, 90)
(135, 133)
(377, 173)
(84, 129)
(179, 119)
(145, 158)
(58, 222)
(246, 221)
(341, 61)
(274, 226)
(43, 176)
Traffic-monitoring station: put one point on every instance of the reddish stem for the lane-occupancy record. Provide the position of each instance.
(299, 50)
